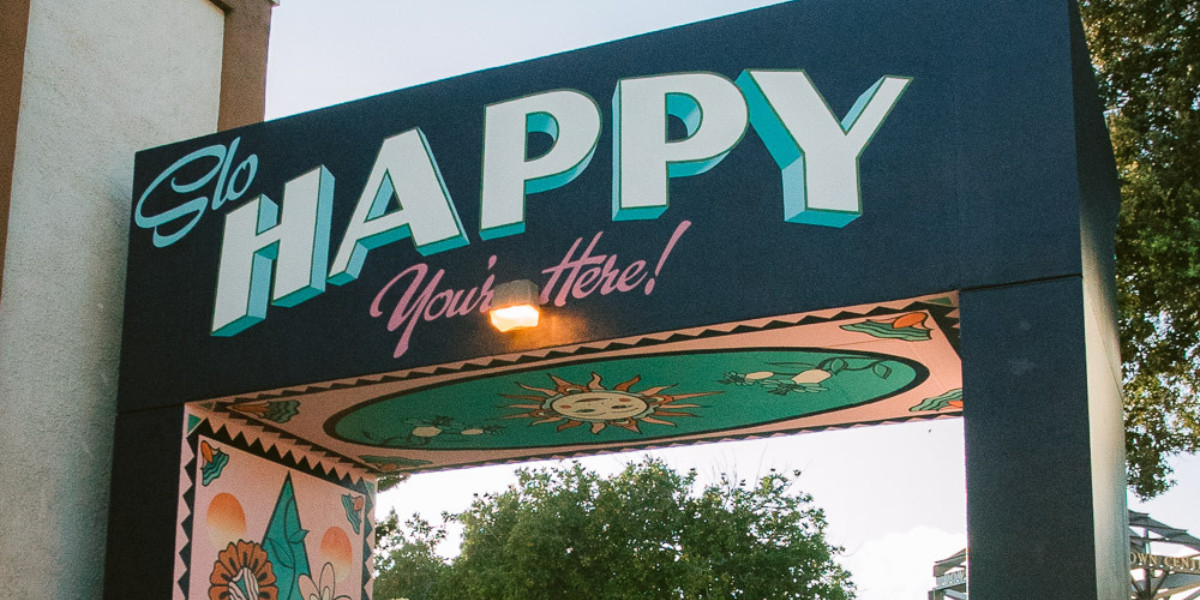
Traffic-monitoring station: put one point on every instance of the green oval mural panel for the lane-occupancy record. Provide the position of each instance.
(630, 399)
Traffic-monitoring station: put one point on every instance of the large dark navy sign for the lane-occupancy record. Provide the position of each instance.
(739, 168)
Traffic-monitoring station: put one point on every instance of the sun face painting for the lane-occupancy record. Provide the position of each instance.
(625, 399)
(573, 404)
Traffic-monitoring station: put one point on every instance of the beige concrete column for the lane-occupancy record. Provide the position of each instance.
(83, 86)
(244, 62)
(13, 25)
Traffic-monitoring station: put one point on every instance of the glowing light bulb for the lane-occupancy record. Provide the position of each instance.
(515, 305)
(515, 317)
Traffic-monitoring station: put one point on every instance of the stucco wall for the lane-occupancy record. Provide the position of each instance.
(103, 79)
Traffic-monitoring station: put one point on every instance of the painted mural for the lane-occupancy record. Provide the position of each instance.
(626, 399)
(868, 364)
(263, 519)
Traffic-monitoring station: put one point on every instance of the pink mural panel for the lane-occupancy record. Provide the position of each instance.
(261, 517)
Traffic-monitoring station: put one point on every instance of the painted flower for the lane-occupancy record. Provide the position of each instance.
(783, 387)
(213, 462)
(242, 572)
(734, 378)
(744, 378)
(426, 431)
(812, 376)
(322, 589)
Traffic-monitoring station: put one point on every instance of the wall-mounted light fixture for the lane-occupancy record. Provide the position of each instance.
(515, 305)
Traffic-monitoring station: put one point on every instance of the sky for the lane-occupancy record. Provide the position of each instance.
(894, 495)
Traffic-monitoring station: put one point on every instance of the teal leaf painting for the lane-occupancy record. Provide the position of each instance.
(837, 365)
(352, 505)
(909, 327)
(213, 462)
(281, 411)
(787, 380)
(732, 378)
(284, 542)
(951, 399)
(881, 370)
(276, 411)
(393, 463)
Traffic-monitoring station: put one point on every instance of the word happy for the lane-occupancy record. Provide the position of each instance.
(817, 155)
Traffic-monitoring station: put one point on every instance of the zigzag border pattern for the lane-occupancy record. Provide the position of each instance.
(336, 459)
(189, 501)
(368, 564)
(285, 457)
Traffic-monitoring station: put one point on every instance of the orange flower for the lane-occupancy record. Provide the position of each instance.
(242, 572)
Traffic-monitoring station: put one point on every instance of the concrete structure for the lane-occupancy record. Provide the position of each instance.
(83, 86)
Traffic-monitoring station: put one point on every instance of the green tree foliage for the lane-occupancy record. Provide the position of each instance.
(406, 561)
(647, 532)
(1147, 59)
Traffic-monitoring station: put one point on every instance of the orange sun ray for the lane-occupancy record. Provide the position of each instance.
(528, 406)
(527, 415)
(594, 384)
(624, 387)
(564, 386)
(658, 421)
(569, 424)
(671, 413)
(675, 397)
(548, 393)
(631, 425)
(655, 390)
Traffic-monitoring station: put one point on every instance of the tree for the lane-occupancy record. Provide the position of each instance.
(566, 532)
(1147, 59)
(406, 560)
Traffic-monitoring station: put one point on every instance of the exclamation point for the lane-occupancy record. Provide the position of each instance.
(683, 226)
